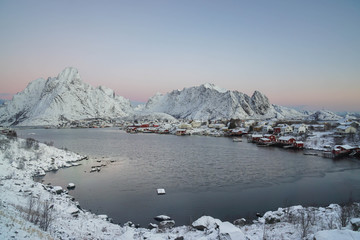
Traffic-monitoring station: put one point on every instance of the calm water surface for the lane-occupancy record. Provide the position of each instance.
(201, 175)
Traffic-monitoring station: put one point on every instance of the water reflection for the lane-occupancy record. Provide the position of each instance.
(201, 175)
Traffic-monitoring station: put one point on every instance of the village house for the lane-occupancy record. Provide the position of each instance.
(196, 124)
(351, 123)
(282, 129)
(249, 123)
(255, 138)
(345, 129)
(264, 141)
(286, 140)
(267, 129)
(257, 128)
(299, 128)
(317, 127)
(185, 126)
(271, 137)
(180, 132)
(216, 125)
(299, 144)
(238, 131)
(342, 150)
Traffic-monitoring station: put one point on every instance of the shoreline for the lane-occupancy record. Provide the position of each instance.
(17, 186)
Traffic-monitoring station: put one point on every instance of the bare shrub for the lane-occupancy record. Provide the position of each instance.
(288, 215)
(31, 206)
(347, 211)
(10, 176)
(312, 215)
(21, 164)
(46, 215)
(29, 143)
(304, 222)
(40, 213)
(4, 143)
(331, 223)
(50, 144)
(264, 237)
(64, 148)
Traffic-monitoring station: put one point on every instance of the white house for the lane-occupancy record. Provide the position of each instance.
(345, 129)
(267, 128)
(299, 128)
(286, 129)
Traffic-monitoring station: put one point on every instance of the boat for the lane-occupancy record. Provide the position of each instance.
(289, 146)
(263, 145)
(237, 139)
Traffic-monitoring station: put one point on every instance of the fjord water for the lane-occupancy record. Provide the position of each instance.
(201, 175)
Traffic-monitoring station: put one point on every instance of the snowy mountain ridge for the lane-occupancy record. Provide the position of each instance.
(66, 98)
(63, 98)
(208, 101)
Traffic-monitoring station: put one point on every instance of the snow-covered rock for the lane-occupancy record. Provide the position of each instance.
(206, 222)
(57, 189)
(228, 231)
(73, 210)
(337, 235)
(355, 224)
(62, 98)
(162, 218)
(167, 224)
(225, 230)
(208, 101)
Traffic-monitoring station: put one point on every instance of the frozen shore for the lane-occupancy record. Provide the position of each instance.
(32, 210)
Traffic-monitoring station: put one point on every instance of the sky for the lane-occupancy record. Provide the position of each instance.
(298, 53)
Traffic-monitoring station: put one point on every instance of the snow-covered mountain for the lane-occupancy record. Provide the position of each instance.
(208, 101)
(323, 115)
(62, 98)
(66, 98)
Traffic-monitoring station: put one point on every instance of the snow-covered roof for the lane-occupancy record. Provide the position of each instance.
(264, 139)
(343, 127)
(286, 138)
(347, 147)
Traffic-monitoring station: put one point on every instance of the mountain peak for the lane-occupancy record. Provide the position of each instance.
(214, 87)
(69, 74)
(64, 98)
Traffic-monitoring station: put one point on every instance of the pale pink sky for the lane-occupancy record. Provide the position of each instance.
(295, 52)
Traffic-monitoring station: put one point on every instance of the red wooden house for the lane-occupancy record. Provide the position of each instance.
(286, 140)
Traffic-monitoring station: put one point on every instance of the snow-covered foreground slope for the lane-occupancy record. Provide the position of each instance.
(208, 101)
(62, 98)
(22, 200)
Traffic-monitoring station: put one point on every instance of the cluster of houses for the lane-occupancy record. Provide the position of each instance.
(287, 134)
(89, 123)
(263, 133)
(339, 151)
(294, 135)
(275, 140)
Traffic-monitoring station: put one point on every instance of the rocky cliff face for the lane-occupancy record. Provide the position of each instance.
(65, 97)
